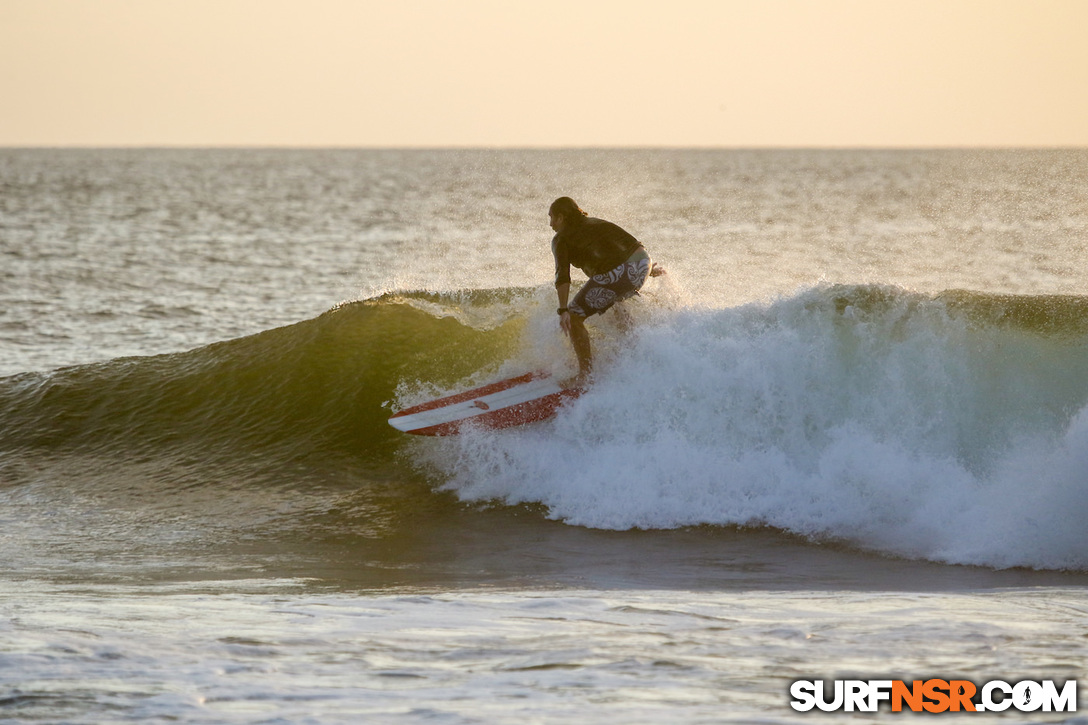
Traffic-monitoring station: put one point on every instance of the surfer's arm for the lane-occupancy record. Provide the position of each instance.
(562, 281)
(562, 291)
(562, 263)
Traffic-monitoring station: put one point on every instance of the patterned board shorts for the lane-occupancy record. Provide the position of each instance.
(604, 290)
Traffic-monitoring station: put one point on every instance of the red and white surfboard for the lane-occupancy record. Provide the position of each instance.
(525, 399)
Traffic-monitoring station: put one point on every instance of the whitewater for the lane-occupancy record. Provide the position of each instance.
(887, 419)
(847, 435)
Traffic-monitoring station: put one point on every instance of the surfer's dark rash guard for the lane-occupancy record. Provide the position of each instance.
(593, 246)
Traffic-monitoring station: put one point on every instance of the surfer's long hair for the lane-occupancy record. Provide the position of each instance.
(567, 208)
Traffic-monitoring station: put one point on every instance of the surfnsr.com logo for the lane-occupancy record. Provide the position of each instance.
(933, 695)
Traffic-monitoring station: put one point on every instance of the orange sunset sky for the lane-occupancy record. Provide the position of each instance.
(725, 73)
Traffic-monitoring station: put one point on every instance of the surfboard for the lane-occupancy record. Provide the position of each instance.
(527, 398)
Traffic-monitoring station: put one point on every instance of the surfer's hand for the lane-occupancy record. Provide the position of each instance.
(656, 270)
(564, 323)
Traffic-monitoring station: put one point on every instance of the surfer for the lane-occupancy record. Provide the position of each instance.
(616, 263)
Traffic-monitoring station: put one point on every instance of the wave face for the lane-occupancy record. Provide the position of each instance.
(952, 428)
(250, 408)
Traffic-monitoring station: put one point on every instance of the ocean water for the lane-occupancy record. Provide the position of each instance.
(846, 438)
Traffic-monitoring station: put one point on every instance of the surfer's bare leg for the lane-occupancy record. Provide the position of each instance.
(579, 338)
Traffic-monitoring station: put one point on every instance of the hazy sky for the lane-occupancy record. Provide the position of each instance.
(554, 73)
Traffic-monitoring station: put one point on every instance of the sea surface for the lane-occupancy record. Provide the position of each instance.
(846, 438)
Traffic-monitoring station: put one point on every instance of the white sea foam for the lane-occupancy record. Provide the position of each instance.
(867, 415)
